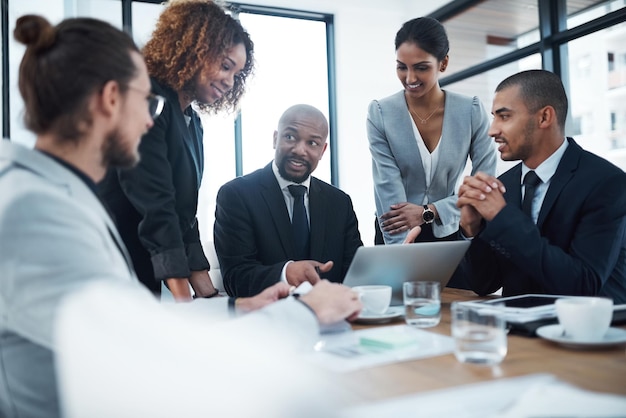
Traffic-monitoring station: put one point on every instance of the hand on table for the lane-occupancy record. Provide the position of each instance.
(268, 296)
(306, 271)
(332, 302)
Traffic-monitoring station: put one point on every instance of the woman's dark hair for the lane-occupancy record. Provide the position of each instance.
(427, 33)
(188, 35)
(63, 65)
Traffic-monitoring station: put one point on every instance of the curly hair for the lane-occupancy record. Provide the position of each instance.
(190, 33)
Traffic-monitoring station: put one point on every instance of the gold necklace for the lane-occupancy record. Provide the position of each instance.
(421, 119)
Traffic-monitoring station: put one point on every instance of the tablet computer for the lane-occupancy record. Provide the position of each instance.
(527, 304)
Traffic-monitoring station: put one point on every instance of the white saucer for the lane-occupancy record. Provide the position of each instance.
(392, 313)
(554, 333)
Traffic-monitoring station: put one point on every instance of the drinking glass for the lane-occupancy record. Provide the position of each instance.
(422, 303)
(479, 332)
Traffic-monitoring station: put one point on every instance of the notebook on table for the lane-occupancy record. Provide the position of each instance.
(398, 263)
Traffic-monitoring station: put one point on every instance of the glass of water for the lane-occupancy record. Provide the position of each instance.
(422, 303)
(479, 333)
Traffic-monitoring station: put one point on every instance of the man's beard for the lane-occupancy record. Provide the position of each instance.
(283, 172)
(116, 154)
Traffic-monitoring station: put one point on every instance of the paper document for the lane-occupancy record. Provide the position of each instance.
(355, 350)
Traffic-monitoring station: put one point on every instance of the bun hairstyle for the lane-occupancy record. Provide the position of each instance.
(64, 65)
(35, 32)
(427, 33)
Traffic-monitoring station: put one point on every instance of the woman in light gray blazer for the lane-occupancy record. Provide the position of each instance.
(420, 139)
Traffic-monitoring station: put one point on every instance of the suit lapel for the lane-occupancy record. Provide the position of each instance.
(564, 172)
(317, 214)
(188, 140)
(275, 201)
(56, 173)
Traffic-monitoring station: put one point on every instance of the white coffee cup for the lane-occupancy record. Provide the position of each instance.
(585, 318)
(375, 298)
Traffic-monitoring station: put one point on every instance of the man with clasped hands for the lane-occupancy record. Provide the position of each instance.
(572, 238)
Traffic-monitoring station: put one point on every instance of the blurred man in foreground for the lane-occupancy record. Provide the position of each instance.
(87, 98)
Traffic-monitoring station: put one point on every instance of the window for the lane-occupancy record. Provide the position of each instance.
(582, 42)
(297, 72)
(54, 11)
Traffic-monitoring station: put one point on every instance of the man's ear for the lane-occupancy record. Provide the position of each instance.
(547, 117)
(324, 150)
(110, 98)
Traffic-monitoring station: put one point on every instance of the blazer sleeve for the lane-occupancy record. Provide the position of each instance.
(388, 183)
(150, 189)
(482, 151)
(236, 239)
(482, 154)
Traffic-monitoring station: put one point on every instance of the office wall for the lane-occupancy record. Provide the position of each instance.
(365, 70)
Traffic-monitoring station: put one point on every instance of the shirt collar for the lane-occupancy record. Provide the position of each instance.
(546, 169)
(286, 183)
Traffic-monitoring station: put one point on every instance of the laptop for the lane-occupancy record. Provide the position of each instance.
(398, 263)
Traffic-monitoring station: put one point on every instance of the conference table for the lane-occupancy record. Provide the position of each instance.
(600, 370)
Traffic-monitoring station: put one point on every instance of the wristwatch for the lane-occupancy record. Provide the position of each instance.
(428, 216)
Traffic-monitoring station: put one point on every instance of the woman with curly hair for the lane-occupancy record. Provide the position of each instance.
(197, 55)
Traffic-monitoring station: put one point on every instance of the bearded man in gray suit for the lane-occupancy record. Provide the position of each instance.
(87, 98)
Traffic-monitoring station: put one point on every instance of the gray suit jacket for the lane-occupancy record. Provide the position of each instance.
(397, 166)
(55, 236)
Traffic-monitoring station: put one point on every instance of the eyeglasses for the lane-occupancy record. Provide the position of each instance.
(155, 102)
(155, 105)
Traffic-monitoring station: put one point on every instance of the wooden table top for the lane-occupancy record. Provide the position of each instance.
(602, 370)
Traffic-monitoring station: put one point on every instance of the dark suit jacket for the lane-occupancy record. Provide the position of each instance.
(154, 204)
(253, 238)
(578, 246)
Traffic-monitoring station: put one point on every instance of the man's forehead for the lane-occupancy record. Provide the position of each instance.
(296, 124)
(507, 98)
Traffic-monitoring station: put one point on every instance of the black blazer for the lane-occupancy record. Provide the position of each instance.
(578, 246)
(154, 204)
(253, 238)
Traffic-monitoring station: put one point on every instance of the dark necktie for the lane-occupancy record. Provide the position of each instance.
(300, 222)
(531, 180)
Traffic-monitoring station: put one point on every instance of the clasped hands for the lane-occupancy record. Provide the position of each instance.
(481, 196)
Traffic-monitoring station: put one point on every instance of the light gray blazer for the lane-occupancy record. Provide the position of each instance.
(55, 236)
(397, 166)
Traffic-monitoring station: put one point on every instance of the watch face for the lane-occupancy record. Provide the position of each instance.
(428, 216)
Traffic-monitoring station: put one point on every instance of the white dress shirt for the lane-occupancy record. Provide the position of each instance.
(545, 171)
(429, 159)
